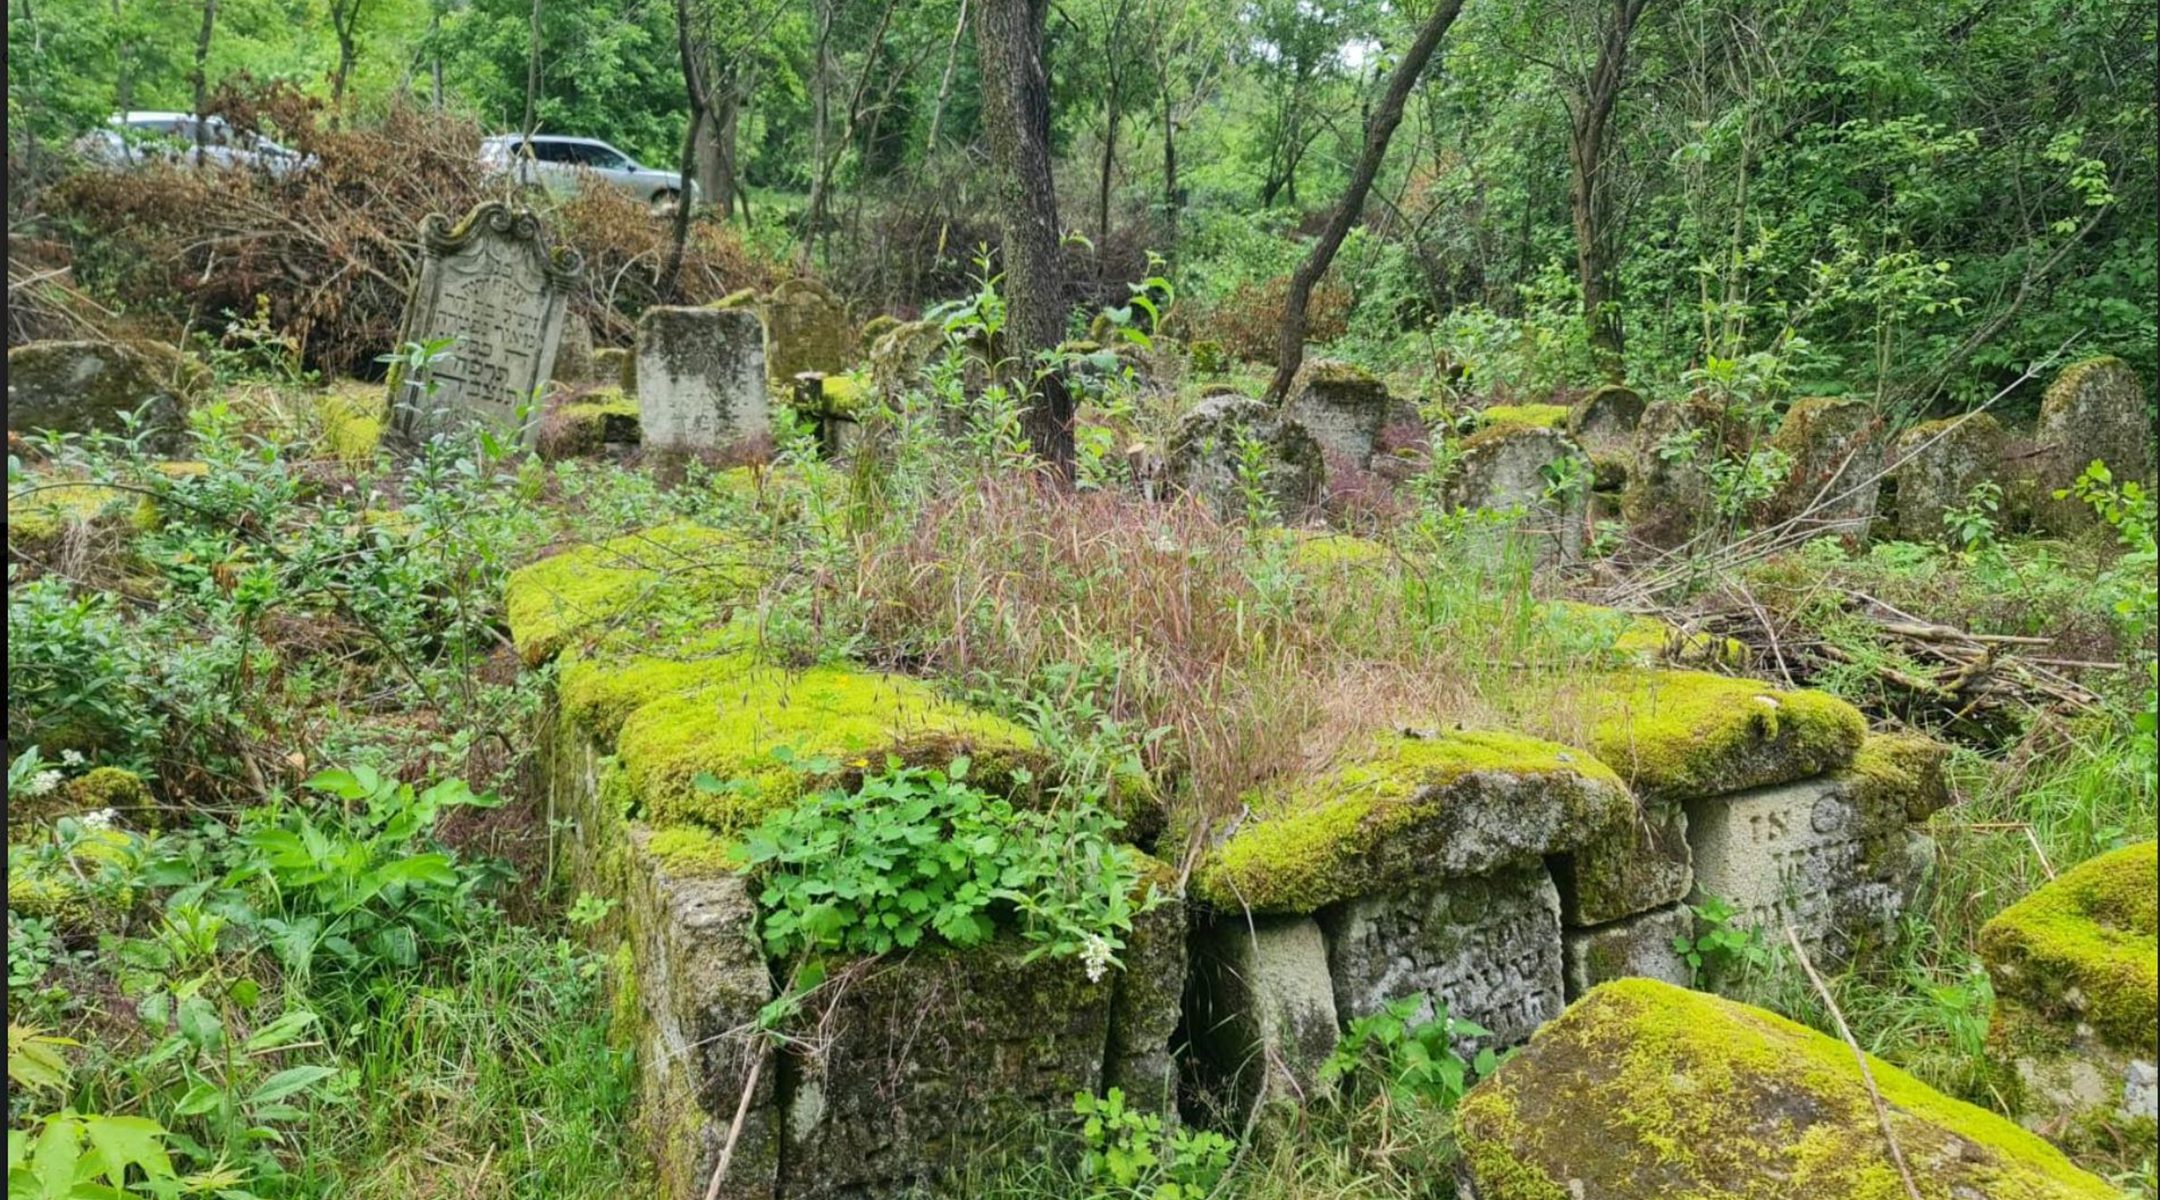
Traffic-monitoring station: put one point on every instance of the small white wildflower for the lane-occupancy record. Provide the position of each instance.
(101, 819)
(71, 758)
(1095, 956)
(41, 783)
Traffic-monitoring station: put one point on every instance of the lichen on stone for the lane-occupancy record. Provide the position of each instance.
(1684, 735)
(850, 719)
(1536, 416)
(1643, 1090)
(1410, 807)
(673, 569)
(2083, 948)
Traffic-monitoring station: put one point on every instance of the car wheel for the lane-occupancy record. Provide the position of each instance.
(663, 202)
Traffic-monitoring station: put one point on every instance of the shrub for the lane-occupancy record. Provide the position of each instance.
(1248, 323)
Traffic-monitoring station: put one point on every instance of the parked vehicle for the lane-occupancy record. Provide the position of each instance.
(137, 137)
(558, 163)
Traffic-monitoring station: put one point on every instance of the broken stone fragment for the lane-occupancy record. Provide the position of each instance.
(1835, 449)
(2076, 969)
(77, 387)
(1603, 423)
(1342, 406)
(1644, 1091)
(1640, 946)
(1531, 468)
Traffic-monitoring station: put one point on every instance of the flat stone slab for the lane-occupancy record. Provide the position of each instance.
(1263, 1014)
(1683, 735)
(1408, 810)
(700, 378)
(1487, 946)
(1646, 1091)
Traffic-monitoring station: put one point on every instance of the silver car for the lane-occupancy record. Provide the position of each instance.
(136, 137)
(559, 163)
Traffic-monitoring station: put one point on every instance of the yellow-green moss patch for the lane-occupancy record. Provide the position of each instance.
(352, 422)
(694, 851)
(2083, 948)
(1537, 416)
(1902, 769)
(40, 515)
(1683, 735)
(852, 719)
(1411, 807)
(678, 570)
(1643, 1091)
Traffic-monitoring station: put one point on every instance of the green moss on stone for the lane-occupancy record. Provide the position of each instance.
(1683, 735)
(1397, 811)
(852, 718)
(39, 517)
(1643, 1090)
(693, 851)
(2083, 948)
(352, 425)
(1904, 770)
(1536, 416)
(739, 298)
(679, 569)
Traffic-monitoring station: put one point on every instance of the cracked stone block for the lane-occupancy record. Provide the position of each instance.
(1640, 946)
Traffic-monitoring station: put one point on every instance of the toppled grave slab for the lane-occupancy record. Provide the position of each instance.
(1644, 1091)
(2076, 969)
(589, 424)
(1413, 809)
(668, 571)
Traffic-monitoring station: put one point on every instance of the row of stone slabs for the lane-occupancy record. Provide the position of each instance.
(1504, 909)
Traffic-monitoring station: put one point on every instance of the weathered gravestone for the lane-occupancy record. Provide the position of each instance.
(76, 387)
(1604, 421)
(701, 378)
(1537, 470)
(493, 284)
(1207, 456)
(1666, 498)
(1937, 464)
(1835, 447)
(808, 330)
(574, 353)
(2094, 411)
(1343, 407)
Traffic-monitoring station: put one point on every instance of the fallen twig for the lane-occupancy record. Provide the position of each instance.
(1867, 1076)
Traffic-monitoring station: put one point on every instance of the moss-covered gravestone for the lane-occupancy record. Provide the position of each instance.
(1207, 456)
(76, 387)
(613, 366)
(1646, 1091)
(2074, 967)
(2094, 411)
(1666, 499)
(1413, 869)
(701, 378)
(1937, 464)
(807, 329)
(1604, 422)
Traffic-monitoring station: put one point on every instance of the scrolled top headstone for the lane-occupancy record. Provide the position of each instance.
(492, 283)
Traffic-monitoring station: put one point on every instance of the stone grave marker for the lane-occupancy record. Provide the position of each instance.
(701, 377)
(809, 329)
(1937, 464)
(2095, 410)
(492, 283)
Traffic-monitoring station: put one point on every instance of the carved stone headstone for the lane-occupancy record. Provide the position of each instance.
(492, 283)
(1604, 421)
(701, 377)
(808, 329)
(1488, 946)
(1836, 450)
(1343, 407)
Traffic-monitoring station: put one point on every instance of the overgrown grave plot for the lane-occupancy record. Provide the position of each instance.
(680, 753)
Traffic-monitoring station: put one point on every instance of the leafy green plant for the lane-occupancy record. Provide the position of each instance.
(1409, 1060)
(1125, 1154)
(67, 1155)
(1718, 950)
(917, 852)
(1971, 527)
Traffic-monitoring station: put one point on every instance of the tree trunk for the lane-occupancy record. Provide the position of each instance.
(1587, 195)
(1290, 348)
(1016, 118)
(670, 277)
(706, 137)
(124, 52)
(1102, 189)
(201, 78)
(345, 23)
(1169, 174)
